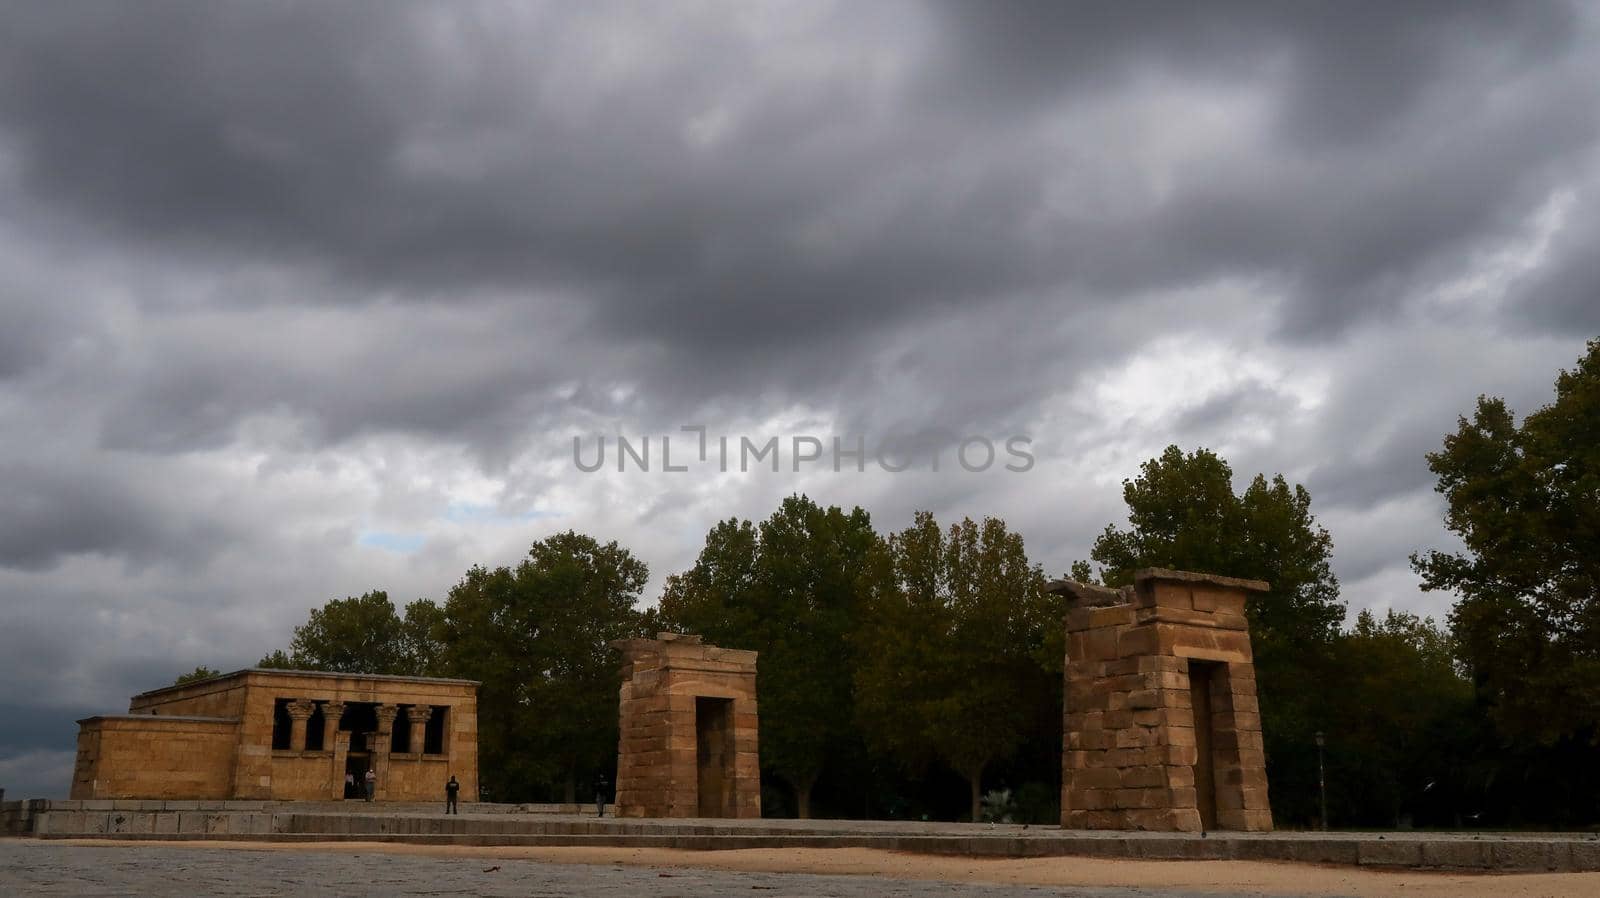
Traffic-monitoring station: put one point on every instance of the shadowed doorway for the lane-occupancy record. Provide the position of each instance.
(1201, 677)
(713, 725)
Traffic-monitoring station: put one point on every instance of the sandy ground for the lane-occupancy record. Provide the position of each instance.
(1237, 877)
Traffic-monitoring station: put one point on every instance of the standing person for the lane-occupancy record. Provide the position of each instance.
(372, 783)
(451, 790)
(349, 785)
(600, 796)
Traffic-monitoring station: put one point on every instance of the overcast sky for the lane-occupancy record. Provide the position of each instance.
(302, 300)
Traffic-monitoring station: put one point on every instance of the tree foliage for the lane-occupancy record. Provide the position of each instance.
(362, 634)
(1393, 709)
(538, 638)
(1524, 499)
(951, 648)
(199, 673)
(790, 589)
(1183, 513)
(1525, 502)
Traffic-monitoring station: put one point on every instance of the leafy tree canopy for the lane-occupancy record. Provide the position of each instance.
(1525, 502)
(1183, 513)
(790, 589)
(199, 673)
(538, 638)
(951, 648)
(362, 635)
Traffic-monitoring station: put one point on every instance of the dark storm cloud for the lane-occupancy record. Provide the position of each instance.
(273, 276)
(29, 727)
(437, 156)
(1564, 297)
(1350, 69)
(53, 512)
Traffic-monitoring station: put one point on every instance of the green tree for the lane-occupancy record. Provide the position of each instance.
(1525, 502)
(421, 634)
(1183, 513)
(360, 634)
(538, 638)
(1394, 701)
(952, 649)
(199, 673)
(277, 659)
(364, 635)
(789, 589)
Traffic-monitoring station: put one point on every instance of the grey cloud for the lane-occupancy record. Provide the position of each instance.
(274, 275)
(52, 512)
(1349, 69)
(358, 144)
(1562, 296)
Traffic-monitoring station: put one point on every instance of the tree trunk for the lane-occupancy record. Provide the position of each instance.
(975, 781)
(802, 797)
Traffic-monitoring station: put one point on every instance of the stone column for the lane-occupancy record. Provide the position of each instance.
(300, 711)
(380, 748)
(341, 754)
(418, 716)
(331, 712)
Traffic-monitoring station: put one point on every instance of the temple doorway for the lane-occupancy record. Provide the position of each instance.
(713, 725)
(1201, 676)
(355, 769)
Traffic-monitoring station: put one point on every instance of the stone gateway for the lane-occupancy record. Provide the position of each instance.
(1162, 731)
(284, 735)
(688, 744)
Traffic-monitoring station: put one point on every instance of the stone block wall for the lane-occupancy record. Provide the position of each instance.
(171, 748)
(1144, 666)
(144, 756)
(689, 742)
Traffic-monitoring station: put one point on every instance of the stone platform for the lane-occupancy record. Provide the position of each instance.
(544, 825)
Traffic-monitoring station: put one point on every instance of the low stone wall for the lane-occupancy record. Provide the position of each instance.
(113, 817)
(17, 817)
(555, 825)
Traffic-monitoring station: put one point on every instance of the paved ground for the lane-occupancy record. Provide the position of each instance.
(42, 868)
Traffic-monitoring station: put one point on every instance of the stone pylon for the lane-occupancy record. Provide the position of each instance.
(689, 730)
(1162, 730)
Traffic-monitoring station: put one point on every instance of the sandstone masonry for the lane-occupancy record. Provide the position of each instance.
(688, 746)
(284, 735)
(1162, 731)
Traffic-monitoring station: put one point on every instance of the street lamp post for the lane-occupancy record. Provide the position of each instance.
(1322, 780)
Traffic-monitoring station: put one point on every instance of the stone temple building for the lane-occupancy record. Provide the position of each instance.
(1162, 730)
(688, 745)
(284, 735)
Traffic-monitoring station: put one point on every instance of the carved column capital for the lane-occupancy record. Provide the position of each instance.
(333, 710)
(386, 715)
(419, 713)
(299, 712)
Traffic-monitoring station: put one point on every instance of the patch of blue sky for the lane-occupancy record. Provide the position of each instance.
(480, 512)
(402, 543)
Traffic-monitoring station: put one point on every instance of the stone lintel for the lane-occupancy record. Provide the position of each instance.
(1158, 573)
